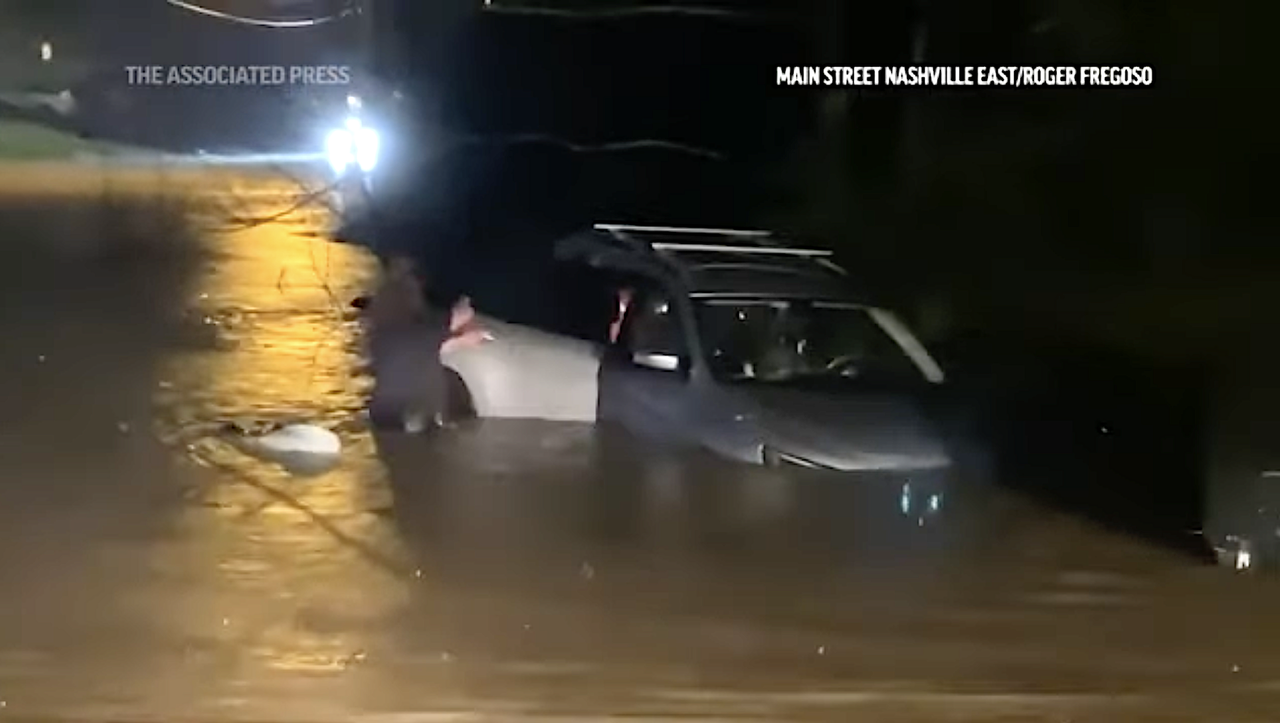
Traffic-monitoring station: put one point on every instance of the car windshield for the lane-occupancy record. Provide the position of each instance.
(785, 340)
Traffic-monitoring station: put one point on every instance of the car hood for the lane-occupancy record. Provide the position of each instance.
(848, 431)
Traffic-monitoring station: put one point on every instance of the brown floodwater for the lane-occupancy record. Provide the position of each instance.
(502, 570)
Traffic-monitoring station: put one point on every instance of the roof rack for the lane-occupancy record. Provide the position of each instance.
(764, 250)
(624, 228)
(762, 246)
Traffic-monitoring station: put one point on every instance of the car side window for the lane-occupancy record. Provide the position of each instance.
(653, 327)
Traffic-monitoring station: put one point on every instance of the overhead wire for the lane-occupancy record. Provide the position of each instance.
(516, 139)
(283, 24)
(605, 147)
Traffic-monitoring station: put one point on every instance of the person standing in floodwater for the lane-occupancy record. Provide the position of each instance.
(405, 336)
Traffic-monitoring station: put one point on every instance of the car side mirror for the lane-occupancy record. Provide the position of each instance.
(657, 361)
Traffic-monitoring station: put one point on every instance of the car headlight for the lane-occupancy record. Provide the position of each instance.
(1236, 553)
(915, 501)
(355, 144)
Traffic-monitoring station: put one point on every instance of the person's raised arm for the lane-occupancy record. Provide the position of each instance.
(462, 316)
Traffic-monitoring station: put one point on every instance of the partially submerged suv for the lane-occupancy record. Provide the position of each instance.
(733, 342)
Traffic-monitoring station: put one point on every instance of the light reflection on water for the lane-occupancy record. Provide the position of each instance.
(273, 341)
(275, 302)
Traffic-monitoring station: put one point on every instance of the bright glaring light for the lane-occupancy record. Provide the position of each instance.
(338, 149)
(353, 144)
(366, 149)
(46, 51)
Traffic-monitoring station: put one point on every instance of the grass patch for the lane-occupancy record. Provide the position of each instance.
(25, 141)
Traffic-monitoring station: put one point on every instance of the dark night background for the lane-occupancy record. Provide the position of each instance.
(1055, 230)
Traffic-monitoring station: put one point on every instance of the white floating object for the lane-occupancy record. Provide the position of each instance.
(300, 439)
(302, 449)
